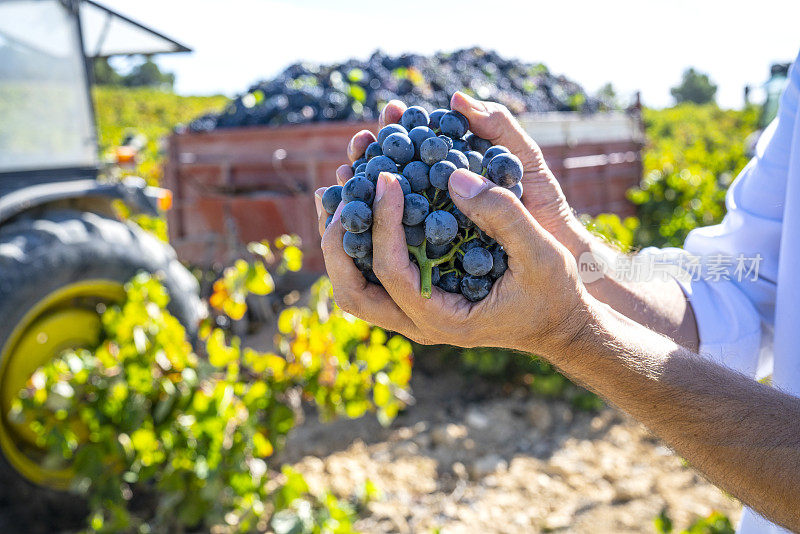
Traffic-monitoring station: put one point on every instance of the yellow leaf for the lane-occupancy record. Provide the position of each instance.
(259, 281)
(293, 258)
(381, 394)
(263, 447)
(219, 353)
(234, 309)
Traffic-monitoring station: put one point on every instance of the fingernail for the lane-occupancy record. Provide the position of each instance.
(467, 184)
(318, 199)
(477, 105)
(383, 182)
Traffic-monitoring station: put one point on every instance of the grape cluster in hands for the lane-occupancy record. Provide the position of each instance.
(422, 151)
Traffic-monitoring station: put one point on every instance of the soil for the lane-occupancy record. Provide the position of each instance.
(472, 458)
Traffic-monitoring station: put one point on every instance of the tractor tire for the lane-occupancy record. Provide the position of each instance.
(65, 255)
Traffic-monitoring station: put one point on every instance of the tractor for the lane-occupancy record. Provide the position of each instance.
(65, 254)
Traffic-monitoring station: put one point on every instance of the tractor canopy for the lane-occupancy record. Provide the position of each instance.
(47, 128)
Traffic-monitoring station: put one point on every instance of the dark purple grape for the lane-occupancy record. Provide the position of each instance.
(417, 174)
(413, 117)
(475, 288)
(499, 262)
(370, 276)
(436, 251)
(418, 135)
(404, 184)
(492, 152)
(469, 245)
(356, 217)
(415, 209)
(478, 144)
(377, 165)
(331, 198)
(399, 148)
(458, 159)
(358, 163)
(415, 235)
(374, 149)
(439, 174)
(358, 188)
(388, 130)
(475, 161)
(485, 238)
(357, 245)
(447, 140)
(440, 227)
(477, 261)
(434, 117)
(463, 220)
(505, 170)
(361, 169)
(516, 189)
(364, 263)
(453, 124)
(450, 282)
(460, 145)
(432, 150)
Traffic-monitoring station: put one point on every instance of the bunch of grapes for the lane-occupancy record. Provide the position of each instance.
(422, 151)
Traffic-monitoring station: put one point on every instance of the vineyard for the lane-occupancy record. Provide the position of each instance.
(318, 425)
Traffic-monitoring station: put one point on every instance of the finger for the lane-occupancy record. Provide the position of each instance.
(399, 276)
(354, 294)
(358, 144)
(322, 215)
(344, 173)
(494, 122)
(391, 113)
(498, 212)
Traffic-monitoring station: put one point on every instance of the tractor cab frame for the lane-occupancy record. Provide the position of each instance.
(65, 255)
(48, 136)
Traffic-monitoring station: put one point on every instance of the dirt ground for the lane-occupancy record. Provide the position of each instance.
(468, 458)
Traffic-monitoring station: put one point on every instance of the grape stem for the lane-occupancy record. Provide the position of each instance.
(426, 264)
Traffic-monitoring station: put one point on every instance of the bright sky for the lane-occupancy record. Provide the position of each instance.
(635, 44)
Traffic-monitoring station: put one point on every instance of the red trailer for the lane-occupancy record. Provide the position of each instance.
(233, 186)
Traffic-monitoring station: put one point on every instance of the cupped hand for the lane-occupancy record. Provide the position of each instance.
(542, 196)
(538, 305)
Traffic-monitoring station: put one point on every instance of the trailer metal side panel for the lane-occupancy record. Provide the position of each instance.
(238, 185)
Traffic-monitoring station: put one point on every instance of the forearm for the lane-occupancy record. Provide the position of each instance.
(743, 435)
(657, 304)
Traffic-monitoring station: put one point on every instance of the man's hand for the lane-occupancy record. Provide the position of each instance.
(660, 305)
(537, 305)
(542, 193)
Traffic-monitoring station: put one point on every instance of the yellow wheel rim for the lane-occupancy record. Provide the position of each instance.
(68, 318)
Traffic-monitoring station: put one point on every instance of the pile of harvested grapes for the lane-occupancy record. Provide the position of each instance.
(355, 90)
(423, 151)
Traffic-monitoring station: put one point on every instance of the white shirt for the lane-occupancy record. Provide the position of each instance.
(753, 325)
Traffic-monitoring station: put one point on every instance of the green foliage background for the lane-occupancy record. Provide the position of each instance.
(693, 153)
(150, 112)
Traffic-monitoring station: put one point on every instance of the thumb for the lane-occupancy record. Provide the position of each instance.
(498, 212)
(493, 121)
(389, 252)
